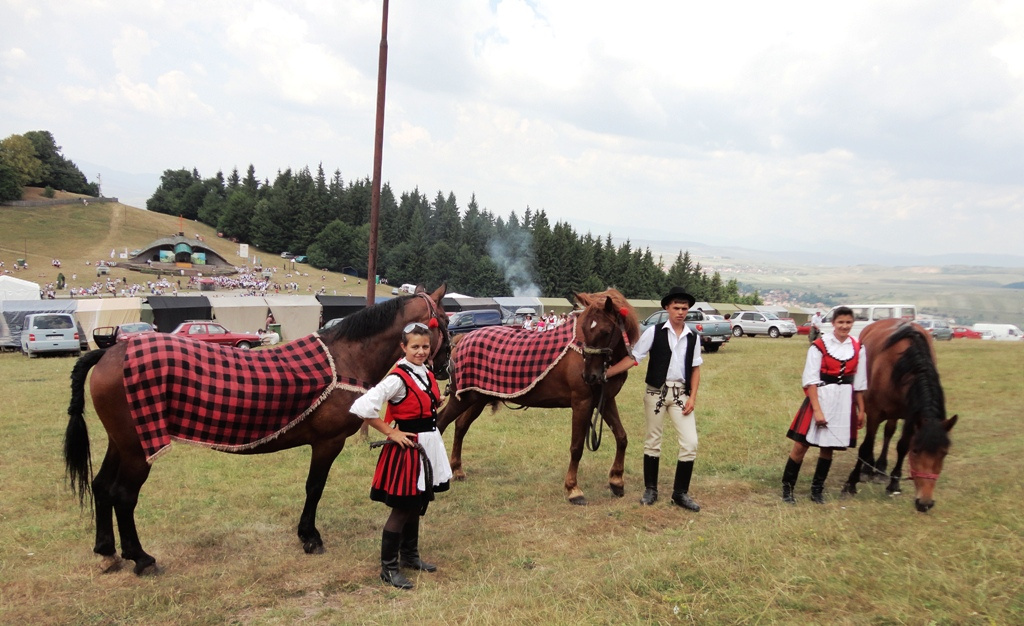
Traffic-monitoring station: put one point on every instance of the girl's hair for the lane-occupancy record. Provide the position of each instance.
(415, 328)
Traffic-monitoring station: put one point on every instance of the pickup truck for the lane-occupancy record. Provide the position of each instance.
(713, 333)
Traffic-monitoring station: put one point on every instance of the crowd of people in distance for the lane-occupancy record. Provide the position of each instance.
(545, 322)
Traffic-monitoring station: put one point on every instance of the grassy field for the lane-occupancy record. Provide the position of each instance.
(76, 234)
(509, 546)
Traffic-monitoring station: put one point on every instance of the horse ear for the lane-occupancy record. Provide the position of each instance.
(950, 423)
(439, 293)
(609, 306)
(583, 298)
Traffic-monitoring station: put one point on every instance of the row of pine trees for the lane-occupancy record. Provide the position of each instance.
(429, 241)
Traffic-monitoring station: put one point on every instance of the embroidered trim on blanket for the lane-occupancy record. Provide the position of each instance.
(222, 397)
(509, 362)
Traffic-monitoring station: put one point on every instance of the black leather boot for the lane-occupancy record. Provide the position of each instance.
(818, 482)
(409, 550)
(650, 480)
(681, 487)
(789, 477)
(389, 573)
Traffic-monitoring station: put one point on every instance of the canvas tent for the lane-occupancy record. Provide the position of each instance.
(93, 313)
(298, 315)
(12, 288)
(340, 306)
(558, 305)
(466, 303)
(13, 313)
(169, 311)
(241, 314)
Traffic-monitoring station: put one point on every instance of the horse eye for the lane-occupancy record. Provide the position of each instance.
(593, 324)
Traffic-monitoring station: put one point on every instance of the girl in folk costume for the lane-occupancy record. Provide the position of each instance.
(403, 469)
(834, 380)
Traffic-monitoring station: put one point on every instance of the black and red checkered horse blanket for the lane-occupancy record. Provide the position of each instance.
(508, 362)
(222, 397)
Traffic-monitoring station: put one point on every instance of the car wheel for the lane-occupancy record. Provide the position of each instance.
(737, 332)
(773, 332)
(245, 345)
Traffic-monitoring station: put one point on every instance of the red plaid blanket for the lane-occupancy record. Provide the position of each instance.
(508, 362)
(222, 397)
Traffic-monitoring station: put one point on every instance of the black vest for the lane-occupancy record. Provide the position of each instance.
(661, 356)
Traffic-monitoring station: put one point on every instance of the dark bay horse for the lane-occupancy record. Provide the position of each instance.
(600, 335)
(903, 383)
(359, 352)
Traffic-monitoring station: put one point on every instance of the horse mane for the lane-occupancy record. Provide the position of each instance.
(367, 322)
(632, 324)
(925, 400)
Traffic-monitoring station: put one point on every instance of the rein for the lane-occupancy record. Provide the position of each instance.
(595, 426)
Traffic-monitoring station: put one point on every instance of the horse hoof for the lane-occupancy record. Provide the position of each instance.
(459, 475)
(848, 491)
(111, 564)
(893, 494)
(313, 547)
(578, 501)
(617, 490)
(152, 569)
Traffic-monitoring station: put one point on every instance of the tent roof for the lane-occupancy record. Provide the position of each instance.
(178, 302)
(18, 289)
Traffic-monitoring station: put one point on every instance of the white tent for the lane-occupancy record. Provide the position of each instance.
(12, 288)
(298, 315)
(96, 312)
(242, 314)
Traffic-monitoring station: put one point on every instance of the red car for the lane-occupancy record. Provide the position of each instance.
(213, 332)
(804, 329)
(963, 332)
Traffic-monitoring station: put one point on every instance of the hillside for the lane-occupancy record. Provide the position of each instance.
(76, 234)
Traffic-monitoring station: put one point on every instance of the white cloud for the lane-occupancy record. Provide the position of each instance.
(14, 57)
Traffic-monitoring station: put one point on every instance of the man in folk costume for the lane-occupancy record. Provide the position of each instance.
(673, 377)
(400, 480)
(834, 381)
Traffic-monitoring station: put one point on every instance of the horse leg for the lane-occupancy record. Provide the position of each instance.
(580, 418)
(864, 452)
(324, 453)
(615, 479)
(102, 501)
(462, 424)
(131, 475)
(883, 461)
(901, 451)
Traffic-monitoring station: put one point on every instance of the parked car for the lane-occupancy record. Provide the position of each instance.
(939, 329)
(106, 336)
(755, 323)
(465, 321)
(712, 332)
(45, 333)
(302, 258)
(963, 332)
(1000, 332)
(516, 319)
(804, 329)
(287, 255)
(864, 314)
(212, 332)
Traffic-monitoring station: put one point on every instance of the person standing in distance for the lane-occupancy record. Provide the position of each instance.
(673, 377)
(816, 322)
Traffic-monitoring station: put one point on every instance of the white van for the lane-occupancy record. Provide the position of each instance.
(864, 314)
(1005, 332)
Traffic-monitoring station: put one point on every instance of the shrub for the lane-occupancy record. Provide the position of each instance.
(48, 192)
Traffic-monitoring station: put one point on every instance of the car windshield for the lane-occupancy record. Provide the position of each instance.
(134, 328)
(771, 316)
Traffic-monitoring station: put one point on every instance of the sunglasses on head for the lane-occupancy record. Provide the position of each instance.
(411, 327)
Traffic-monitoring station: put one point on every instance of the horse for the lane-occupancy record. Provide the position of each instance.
(903, 383)
(187, 399)
(572, 375)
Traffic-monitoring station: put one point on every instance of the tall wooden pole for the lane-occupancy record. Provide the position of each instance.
(378, 149)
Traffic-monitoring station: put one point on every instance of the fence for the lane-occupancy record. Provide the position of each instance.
(55, 202)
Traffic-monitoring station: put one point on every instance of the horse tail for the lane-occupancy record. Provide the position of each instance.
(77, 457)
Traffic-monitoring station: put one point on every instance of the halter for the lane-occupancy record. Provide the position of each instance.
(916, 474)
(596, 426)
(442, 325)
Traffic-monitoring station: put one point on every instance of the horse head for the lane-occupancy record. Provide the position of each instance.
(605, 330)
(437, 320)
(928, 450)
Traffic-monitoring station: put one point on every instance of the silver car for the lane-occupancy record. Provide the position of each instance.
(50, 332)
(754, 323)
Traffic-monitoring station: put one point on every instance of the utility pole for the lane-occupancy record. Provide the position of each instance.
(378, 149)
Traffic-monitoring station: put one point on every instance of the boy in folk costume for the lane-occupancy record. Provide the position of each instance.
(673, 377)
(400, 478)
(834, 380)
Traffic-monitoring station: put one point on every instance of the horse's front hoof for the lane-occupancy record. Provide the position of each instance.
(458, 475)
(893, 492)
(313, 547)
(147, 567)
(111, 564)
(617, 490)
(849, 490)
(578, 501)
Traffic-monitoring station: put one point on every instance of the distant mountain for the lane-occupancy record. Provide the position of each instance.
(128, 188)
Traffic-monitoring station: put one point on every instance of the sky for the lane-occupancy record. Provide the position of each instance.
(810, 126)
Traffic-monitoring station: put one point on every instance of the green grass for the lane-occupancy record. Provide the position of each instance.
(509, 546)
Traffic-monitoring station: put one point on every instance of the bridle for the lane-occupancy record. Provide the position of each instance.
(595, 428)
(442, 324)
(916, 474)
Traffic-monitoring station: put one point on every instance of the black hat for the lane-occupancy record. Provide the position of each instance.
(677, 293)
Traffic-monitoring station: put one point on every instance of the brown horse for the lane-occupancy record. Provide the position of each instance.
(600, 335)
(361, 350)
(903, 383)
